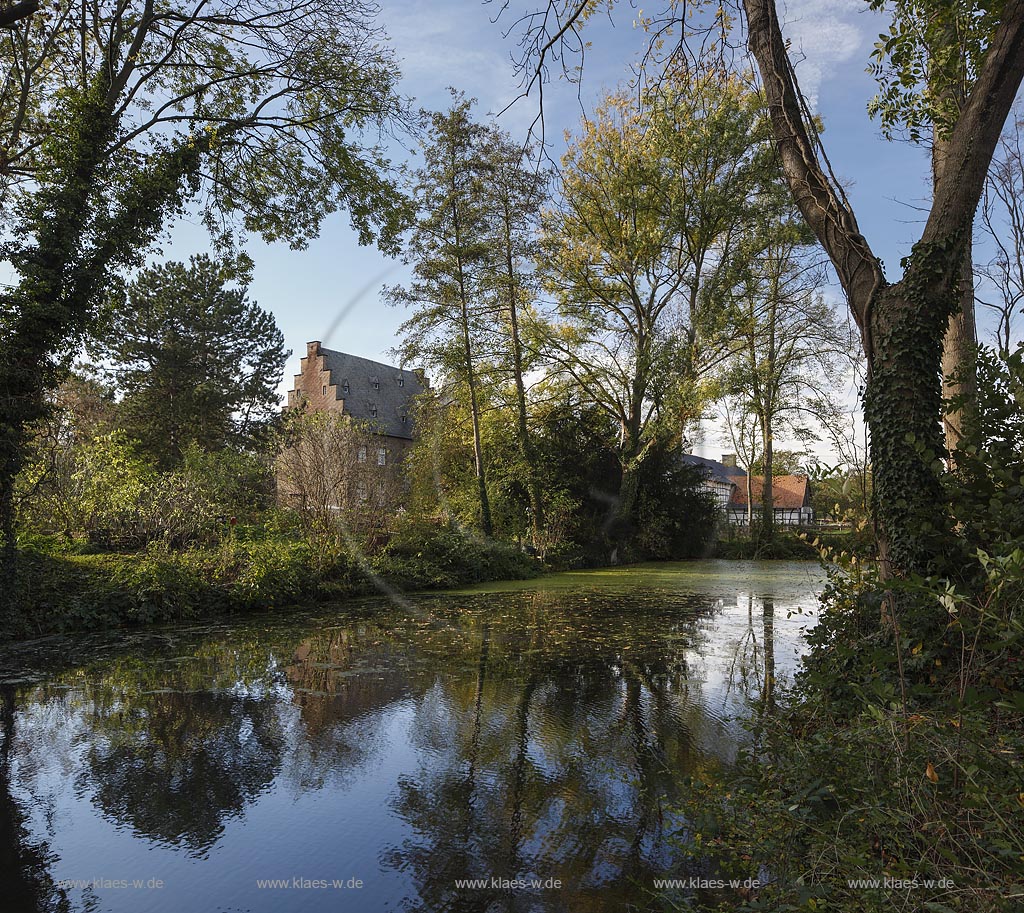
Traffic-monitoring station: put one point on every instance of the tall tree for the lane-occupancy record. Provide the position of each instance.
(115, 114)
(926, 66)
(792, 346)
(902, 324)
(516, 193)
(1002, 224)
(195, 360)
(640, 254)
(449, 252)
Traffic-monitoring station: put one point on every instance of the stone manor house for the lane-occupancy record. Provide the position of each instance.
(377, 396)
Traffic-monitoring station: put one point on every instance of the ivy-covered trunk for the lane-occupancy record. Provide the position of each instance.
(76, 230)
(902, 325)
(903, 410)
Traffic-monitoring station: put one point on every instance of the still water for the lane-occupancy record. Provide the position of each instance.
(370, 757)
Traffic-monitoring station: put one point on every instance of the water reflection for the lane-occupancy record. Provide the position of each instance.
(174, 766)
(542, 731)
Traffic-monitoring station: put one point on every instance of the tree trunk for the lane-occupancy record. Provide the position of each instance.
(525, 446)
(767, 489)
(633, 453)
(958, 347)
(902, 406)
(959, 370)
(902, 326)
(629, 490)
(478, 450)
(749, 482)
(474, 406)
(9, 553)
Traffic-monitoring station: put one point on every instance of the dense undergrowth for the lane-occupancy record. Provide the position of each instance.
(891, 775)
(60, 588)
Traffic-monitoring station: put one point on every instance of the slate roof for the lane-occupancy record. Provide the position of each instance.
(788, 492)
(715, 471)
(391, 396)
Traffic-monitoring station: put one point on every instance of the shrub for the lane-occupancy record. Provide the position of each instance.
(433, 554)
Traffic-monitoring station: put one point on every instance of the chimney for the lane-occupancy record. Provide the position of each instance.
(313, 349)
(729, 459)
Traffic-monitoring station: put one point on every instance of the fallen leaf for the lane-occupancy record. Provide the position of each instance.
(930, 773)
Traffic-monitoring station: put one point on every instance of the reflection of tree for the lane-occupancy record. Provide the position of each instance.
(175, 765)
(27, 886)
(551, 730)
(768, 692)
(557, 755)
(752, 669)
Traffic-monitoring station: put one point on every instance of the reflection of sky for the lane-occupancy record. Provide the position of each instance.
(364, 733)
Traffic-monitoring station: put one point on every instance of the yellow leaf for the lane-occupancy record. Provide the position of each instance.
(930, 773)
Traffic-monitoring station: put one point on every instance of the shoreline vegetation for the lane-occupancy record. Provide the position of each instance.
(70, 587)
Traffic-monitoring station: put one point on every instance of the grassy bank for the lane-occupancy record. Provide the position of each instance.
(66, 586)
(61, 590)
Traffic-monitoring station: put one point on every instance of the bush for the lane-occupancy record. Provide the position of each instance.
(433, 554)
(819, 808)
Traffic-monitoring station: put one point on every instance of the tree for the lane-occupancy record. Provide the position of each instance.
(902, 324)
(926, 66)
(516, 195)
(641, 252)
(52, 484)
(792, 346)
(1002, 222)
(329, 471)
(116, 114)
(195, 360)
(13, 13)
(448, 250)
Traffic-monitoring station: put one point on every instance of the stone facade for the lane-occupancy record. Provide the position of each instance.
(378, 397)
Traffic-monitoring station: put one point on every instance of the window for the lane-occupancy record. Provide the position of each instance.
(325, 389)
(373, 410)
(382, 457)
(404, 417)
(401, 381)
(361, 491)
(344, 386)
(361, 456)
(376, 383)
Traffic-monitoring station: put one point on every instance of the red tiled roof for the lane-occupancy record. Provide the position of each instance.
(788, 492)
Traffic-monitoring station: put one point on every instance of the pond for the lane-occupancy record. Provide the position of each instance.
(377, 756)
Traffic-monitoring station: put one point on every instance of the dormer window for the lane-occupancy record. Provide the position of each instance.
(376, 382)
(344, 386)
(401, 381)
(373, 410)
(404, 417)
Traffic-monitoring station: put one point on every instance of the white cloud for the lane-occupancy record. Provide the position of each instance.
(825, 36)
(442, 44)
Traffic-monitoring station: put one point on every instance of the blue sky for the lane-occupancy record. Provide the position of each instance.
(455, 43)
